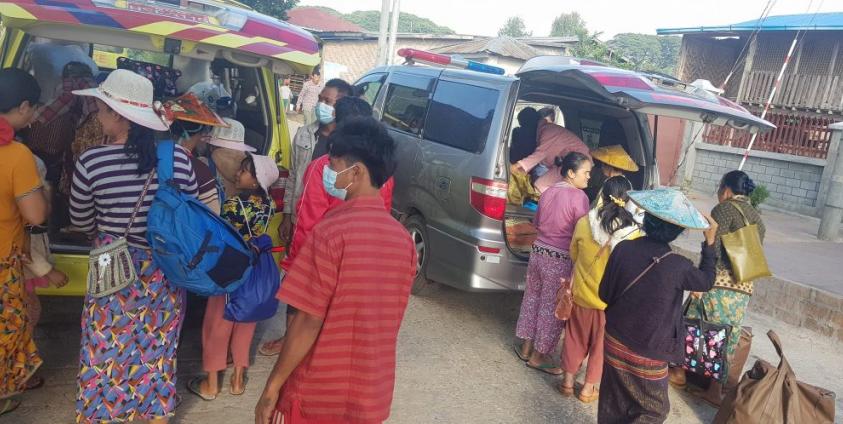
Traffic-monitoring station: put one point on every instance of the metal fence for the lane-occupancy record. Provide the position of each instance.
(795, 134)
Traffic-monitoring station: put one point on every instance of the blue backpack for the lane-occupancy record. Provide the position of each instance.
(255, 300)
(192, 245)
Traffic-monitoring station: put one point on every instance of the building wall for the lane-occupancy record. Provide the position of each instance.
(793, 182)
(704, 58)
(360, 56)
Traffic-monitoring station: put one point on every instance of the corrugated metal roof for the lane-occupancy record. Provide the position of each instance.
(501, 46)
(832, 21)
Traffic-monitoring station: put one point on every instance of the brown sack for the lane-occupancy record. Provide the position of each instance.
(771, 395)
(738, 359)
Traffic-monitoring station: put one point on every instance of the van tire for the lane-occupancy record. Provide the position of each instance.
(418, 233)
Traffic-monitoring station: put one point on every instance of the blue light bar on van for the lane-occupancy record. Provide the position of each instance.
(445, 60)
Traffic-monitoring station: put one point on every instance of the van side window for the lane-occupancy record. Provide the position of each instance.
(406, 103)
(369, 86)
(461, 115)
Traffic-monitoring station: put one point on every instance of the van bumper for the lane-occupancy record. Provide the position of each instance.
(458, 263)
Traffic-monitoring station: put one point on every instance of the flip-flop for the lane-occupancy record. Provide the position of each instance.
(545, 368)
(195, 387)
(33, 383)
(245, 383)
(9, 405)
(265, 351)
(566, 391)
(518, 353)
(589, 398)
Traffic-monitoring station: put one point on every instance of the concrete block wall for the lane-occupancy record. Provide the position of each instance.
(793, 182)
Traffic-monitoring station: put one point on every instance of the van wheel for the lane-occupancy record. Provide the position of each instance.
(418, 233)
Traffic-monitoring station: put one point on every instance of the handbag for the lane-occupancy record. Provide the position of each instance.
(564, 300)
(705, 344)
(769, 394)
(110, 266)
(743, 247)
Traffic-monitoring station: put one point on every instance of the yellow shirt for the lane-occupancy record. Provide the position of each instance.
(590, 259)
(18, 177)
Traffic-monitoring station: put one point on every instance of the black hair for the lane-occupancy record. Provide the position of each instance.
(571, 162)
(141, 146)
(363, 139)
(179, 127)
(660, 230)
(347, 107)
(316, 71)
(342, 87)
(739, 182)
(612, 216)
(17, 86)
(548, 112)
(77, 70)
(528, 119)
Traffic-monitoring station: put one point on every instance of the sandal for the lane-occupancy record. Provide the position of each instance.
(9, 405)
(520, 356)
(195, 387)
(33, 383)
(271, 348)
(595, 394)
(245, 382)
(546, 368)
(566, 391)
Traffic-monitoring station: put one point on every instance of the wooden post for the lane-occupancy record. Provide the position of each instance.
(743, 85)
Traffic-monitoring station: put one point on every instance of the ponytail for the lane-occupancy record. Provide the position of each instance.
(612, 213)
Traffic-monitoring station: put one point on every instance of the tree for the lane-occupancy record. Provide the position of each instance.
(275, 8)
(649, 52)
(514, 27)
(407, 22)
(568, 24)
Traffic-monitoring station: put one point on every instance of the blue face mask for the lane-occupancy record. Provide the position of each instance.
(329, 181)
(324, 113)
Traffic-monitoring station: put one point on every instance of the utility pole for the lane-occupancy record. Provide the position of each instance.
(382, 34)
(393, 33)
(833, 210)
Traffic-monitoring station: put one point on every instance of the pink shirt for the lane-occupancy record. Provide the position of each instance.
(554, 141)
(546, 181)
(560, 207)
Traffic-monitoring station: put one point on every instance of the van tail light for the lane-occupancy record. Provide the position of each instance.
(487, 249)
(488, 197)
(276, 191)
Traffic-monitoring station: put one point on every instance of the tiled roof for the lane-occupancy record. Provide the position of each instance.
(317, 19)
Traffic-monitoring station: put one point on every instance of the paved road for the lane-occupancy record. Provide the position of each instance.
(455, 365)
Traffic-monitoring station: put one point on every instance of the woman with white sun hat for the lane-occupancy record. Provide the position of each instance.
(129, 337)
(228, 149)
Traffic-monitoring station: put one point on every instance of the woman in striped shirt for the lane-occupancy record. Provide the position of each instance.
(129, 338)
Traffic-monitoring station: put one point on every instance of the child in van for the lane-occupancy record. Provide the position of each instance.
(249, 211)
(38, 270)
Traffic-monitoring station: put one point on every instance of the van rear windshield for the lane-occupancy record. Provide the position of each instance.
(461, 115)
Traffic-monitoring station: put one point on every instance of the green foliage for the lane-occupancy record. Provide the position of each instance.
(759, 195)
(407, 22)
(648, 52)
(568, 24)
(274, 8)
(590, 47)
(514, 27)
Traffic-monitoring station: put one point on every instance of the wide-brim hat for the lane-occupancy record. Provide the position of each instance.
(616, 157)
(670, 205)
(232, 136)
(131, 96)
(189, 108)
(266, 171)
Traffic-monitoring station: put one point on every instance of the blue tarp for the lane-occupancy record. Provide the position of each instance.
(832, 21)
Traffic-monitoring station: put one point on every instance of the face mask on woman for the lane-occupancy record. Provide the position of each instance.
(324, 113)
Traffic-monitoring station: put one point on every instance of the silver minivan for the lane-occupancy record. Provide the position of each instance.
(452, 129)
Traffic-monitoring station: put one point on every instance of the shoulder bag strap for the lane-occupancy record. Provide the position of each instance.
(645, 271)
(740, 211)
(139, 202)
(165, 154)
(246, 215)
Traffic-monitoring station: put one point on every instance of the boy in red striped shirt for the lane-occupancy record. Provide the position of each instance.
(351, 283)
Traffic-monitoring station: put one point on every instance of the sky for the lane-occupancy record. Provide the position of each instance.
(485, 17)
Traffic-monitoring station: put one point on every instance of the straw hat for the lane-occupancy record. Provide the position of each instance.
(130, 95)
(616, 157)
(670, 205)
(266, 171)
(232, 136)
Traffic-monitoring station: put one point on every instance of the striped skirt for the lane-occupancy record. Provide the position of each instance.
(633, 388)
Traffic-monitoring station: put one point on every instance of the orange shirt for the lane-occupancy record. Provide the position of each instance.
(354, 271)
(18, 178)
